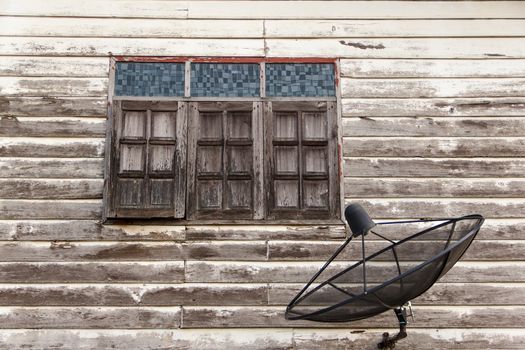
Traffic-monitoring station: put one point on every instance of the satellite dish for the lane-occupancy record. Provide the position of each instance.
(391, 276)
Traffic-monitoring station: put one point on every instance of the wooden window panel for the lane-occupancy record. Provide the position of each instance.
(225, 160)
(301, 160)
(146, 171)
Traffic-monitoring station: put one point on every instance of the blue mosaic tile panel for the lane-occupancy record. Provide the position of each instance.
(149, 79)
(225, 80)
(300, 79)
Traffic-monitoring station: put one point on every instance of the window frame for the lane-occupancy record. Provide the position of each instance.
(262, 215)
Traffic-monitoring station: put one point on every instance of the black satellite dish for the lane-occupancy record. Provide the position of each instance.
(389, 278)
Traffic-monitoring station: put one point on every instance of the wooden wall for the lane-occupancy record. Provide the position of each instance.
(433, 97)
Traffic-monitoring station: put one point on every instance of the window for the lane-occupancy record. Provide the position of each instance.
(193, 139)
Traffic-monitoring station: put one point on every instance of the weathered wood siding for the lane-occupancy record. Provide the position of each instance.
(433, 123)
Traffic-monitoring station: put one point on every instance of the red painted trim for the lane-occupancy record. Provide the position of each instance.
(181, 59)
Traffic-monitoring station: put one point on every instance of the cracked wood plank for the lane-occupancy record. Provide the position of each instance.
(94, 272)
(51, 147)
(396, 48)
(45, 295)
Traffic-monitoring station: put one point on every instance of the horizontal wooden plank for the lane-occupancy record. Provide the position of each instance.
(428, 317)
(52, 167)
(395, 68)
(409, 251)
(50, 189)
(51, 147)
(264, 232)
(132, 294)
(420, 339)
(154, 339)
(436, 167)
(169, 28)
(90, 317)
(277, 9)
(392, 28)
(91, 230)
(50, 209)
(43, 86)
(53, 106)
(434, 87)
(383, 48)
(436, 207)
(136, 28)
(403, 187)
(131, 251)
(440, 294)
(86, 230)
(82, 272)
(434, 147)
(52, 127)
(41, 46)
(434, 126)
(54, 66)
(434, 107)
(302, 271)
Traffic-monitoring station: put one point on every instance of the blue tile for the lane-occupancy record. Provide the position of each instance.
(300, 79)
(225, 80)
(149, 79)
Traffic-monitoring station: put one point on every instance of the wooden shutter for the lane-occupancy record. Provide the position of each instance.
(301, 160)
(147, 170)
(225, 160)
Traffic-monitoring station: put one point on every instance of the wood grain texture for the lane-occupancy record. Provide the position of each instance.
(131, 251)
(90, 317)
(50, 209)
(43, 86)
(402, 187)
(132, 294)
(411, 208)
(433, 167)
(51, 167)
(90, 47)
(264, 232)
(424, 68)
(302, 271)
(434, 147)
(193, 339)
(87, 230)
(135, 28)
(83, 272)
(387, 48)
(278, 9)
(53, 66)
(51, 147)
(410, 251)
(441, 295)
(434, 126)
(472, 107)
(53, 106)
(428, 317)
(50, 189)
(432, 87)
(52, 127)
